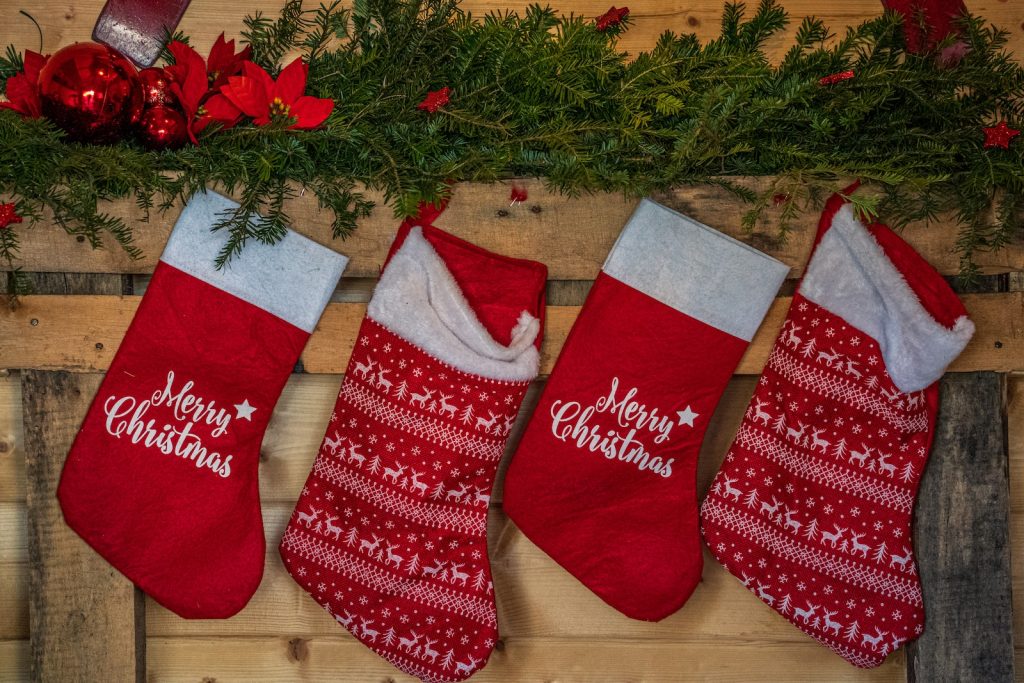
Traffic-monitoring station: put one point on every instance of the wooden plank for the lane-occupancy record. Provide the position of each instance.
(1015, 439)
(962, 539)
(13, 573)
(14, 660)
(300, 418)
(82, 610)
(573, 235)
(330, 660)
(82, 333)
(64, 23)
(12, 456)
(292, 439)
(549, 603)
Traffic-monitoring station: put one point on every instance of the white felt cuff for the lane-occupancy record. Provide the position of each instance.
(851, 276)
(418, 299)
(695, 269)
(292, 279)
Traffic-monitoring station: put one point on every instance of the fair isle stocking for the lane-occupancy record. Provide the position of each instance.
(389, 534)
(812, 508)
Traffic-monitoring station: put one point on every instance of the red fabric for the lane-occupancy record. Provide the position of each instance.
(931, 289)
(939, 19)
(414, 471)
(184, 527)
(812, 508)
(628, 533)
(499, 288)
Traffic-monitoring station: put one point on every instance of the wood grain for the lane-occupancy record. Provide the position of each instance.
(300, 418)
(554, 629)
(13, 572)
(82, 334)
(14, 660)
(325, 659)
(12, 457)
(65, 22)
(1015, 442)
(82, 610)
(962, 539)
(571, 236)
(536, 598)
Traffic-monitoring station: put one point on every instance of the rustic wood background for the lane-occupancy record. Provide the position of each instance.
(67, 615)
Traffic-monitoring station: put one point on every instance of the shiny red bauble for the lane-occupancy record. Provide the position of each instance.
(91, 92)
(156, 88)
(162, 128)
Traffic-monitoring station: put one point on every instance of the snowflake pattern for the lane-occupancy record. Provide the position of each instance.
(862, 503)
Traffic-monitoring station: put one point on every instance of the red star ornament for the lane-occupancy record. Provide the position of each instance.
(8, 215)
(999, 135)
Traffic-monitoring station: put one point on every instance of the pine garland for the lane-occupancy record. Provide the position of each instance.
(545, 96)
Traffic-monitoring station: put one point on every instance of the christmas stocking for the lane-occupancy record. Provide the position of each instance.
(162, 478)
(389, 533)
(812, 508)
(604, 478)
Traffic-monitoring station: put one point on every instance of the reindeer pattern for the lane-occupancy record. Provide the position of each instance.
(415, 454)
(777, 478)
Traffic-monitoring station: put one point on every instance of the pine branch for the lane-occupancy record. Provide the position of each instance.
(539, 95)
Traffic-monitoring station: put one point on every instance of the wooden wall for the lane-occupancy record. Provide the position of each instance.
(66, 615)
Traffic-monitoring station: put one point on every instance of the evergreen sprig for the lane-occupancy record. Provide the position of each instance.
(539, 95)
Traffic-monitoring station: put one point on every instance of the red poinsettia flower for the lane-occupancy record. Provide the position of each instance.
(23, 88)
(266, 100)
(224, 63)
(613, 17)
(435, 100)
(191, 85)
(8, 215)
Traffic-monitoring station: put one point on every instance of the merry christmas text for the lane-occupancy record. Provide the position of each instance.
(126, 418)
(571, 421)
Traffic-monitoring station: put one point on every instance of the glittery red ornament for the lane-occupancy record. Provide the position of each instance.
(91, 92)
(836, 78)
(163, 128)
(156, 88)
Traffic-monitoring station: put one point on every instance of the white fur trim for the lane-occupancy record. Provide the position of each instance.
(418, 299)
(695, 269)
(851, 276)
(292, 279)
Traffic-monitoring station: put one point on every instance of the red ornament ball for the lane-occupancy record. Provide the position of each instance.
(91, 92)
(163, 128)
(156, 88)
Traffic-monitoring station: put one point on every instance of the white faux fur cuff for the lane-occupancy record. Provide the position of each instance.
(695, 269)
(292, 279)
(418, 299)
(851, 276)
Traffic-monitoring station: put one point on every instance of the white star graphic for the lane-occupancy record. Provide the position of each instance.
(244, 411)
(687, 416)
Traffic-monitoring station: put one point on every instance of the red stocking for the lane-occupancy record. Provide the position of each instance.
(812, 508)
(162, 479)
